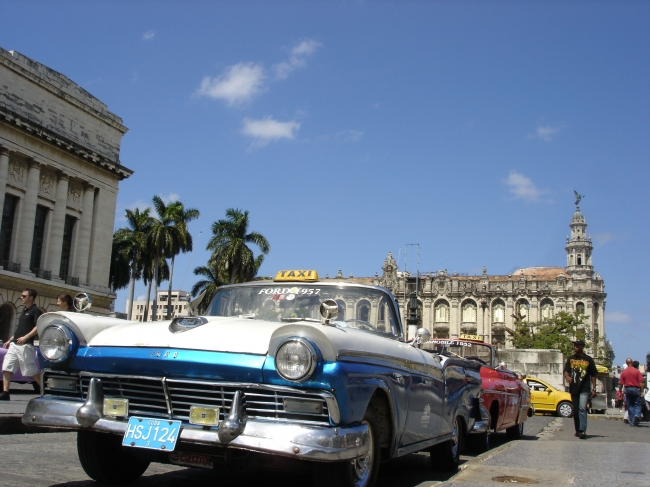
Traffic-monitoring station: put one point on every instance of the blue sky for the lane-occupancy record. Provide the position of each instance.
(349, 129)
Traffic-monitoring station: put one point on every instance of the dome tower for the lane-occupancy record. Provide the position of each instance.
(579, 247)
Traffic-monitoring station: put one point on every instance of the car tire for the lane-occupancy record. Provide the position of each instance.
(102, 458)
(445, 456)
(565, 409)
(478, 443)
(361, 472)
(515, 432)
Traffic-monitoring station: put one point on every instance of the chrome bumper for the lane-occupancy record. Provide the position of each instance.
(308, 442)
(482, 425)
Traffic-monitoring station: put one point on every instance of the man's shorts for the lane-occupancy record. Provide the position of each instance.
(23, 357)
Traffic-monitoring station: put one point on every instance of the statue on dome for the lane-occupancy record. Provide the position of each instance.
(578, 197)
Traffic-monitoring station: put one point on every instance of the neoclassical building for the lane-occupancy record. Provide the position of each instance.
(486, 305)
(59, 175)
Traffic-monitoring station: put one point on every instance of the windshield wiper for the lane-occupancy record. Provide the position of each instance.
(293, 320)
(250, 316)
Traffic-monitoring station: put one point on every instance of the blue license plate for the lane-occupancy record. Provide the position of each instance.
(155, 434)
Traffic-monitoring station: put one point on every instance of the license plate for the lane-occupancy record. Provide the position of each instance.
(154, 434)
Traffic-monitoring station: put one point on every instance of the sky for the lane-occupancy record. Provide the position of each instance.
(349, 129)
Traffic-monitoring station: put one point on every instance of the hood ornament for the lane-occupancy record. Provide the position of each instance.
(82, 302)
(329, 310)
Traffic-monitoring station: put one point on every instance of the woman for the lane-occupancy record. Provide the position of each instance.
(65, 303)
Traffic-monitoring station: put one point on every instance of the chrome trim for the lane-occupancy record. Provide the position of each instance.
(92, 410)
(235, 423)
(482, 426)
(313, 357)
(382, 359)
(167, 397)
(295, 440)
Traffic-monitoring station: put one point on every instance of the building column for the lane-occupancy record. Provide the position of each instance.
(81, 264)
(4, 173)
(28, 215)
(58, 222)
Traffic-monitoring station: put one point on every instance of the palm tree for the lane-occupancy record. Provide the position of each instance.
(207, 287)
(162, 239)
(134, 238)
(119, 270)
(230, 254)
(147, 276)
(181, 217)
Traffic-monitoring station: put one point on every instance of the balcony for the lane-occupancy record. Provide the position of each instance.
(71, 281)
(42, 274)
(11, 266)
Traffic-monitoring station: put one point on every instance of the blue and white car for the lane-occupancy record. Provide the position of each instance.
(296, 367)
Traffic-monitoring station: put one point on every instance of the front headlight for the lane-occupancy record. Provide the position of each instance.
(295, 359)
(56, 343)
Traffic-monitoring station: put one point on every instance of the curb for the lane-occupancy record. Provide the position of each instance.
(604, 416)
(13, 425)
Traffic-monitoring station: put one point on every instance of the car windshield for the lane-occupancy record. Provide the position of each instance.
(367, 309)
(462, 348)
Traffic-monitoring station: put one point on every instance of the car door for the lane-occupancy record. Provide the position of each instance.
(542, 395)
(425, 400)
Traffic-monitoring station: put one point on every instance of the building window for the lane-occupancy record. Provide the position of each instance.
(522, 309)
(469, 312)
(342, 307)
(441, 311)
(580, 308)
(39, 235)
(363, 310)
(579, 260)
(66, 248)
(547, 309)
(498, 311)
(6, 231)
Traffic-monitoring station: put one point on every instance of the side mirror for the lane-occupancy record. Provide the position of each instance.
(82, 302)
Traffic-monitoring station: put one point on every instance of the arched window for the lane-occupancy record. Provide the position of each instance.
(579, 259)
(498, 311)
(363, 310)
(468, 311)
(342, 308)
(580, 308)
(522, 309)
(547, 309)
(441, 311)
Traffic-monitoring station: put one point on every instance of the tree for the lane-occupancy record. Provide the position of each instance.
(164, 240)
(148, 274)
(207, 287)
(119, 269)
(230, 254)
(557, 332)
(181, 218)
(133, 238)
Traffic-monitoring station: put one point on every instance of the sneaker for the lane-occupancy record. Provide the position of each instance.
(582, 435)
(4, 396)
(637, 420)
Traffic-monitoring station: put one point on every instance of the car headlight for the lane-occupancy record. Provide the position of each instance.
(56, 343)
(295, 359)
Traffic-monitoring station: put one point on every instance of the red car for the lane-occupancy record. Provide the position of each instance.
(505, 397)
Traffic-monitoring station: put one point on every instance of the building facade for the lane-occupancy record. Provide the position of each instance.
(180, 303)
(59, 175)
(488, 305)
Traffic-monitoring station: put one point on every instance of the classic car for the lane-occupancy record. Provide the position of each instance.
(547, 398)
(505, 397)
(18, 377)
(296, 367)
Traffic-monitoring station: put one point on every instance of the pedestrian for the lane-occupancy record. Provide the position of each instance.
(620, 398)
(580, 372)
(632, 379)
(22, 354)
(65, 303)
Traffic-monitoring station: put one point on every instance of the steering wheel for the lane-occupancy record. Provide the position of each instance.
(361, 323)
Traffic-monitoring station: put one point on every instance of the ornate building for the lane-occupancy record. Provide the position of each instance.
(59, 175)
(451, 304)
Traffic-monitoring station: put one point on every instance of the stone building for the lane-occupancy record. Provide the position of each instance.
(486, 305)
(59, 175)
(180, 303)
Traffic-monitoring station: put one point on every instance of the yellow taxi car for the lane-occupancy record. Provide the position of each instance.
(547, 398)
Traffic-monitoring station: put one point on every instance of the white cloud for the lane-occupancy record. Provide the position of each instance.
(147, 36)
(547, 132)
(523, 188)
(141, 298)
(298, 59)
(602, 238)
(169, 198)
(267, 130)
(617, 317)
(238, 84)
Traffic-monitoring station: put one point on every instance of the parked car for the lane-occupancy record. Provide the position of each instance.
(505, 397)
(18, 377)
(296, 367)
(547, 398)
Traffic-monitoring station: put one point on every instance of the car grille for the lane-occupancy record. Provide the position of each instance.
(154, 397)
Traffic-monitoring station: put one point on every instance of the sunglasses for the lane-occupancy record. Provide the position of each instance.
(24, 297)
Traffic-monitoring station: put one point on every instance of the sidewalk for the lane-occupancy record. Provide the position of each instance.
(11, 412)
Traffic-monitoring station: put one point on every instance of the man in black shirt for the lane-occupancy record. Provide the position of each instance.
(21, 352)
(580, 373)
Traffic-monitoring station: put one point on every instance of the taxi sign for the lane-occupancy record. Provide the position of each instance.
(304, 276)
(478, 338)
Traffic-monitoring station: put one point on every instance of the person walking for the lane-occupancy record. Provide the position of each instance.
(22, 354)
(580, 373)
(64, 301)
(632, 379)
(620, 398)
